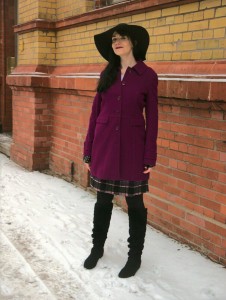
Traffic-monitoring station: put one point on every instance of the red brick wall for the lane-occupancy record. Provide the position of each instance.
(32, 127)
(70, 117)
(187, 191)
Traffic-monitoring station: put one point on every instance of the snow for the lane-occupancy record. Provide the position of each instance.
(46, 227)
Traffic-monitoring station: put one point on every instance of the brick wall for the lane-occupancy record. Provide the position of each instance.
(51, 9)
(31, 127)
(187, 192)
(27, 10)
(71, 8)
(70, 118)
(53, 99)
(37, 48)
(47, 9)
(193, 31)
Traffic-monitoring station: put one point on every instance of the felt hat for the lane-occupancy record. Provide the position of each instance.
(137, 34)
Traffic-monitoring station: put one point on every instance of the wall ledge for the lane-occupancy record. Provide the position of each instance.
(204, 81)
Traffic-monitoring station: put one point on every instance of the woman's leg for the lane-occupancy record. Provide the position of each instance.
(101, 222)
(137, 229)
(135, 202)
(104, 198)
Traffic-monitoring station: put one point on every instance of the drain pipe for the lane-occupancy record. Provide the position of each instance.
(2, 101)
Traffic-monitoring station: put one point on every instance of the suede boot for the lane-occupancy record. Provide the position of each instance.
(137, 230)
(101, 222)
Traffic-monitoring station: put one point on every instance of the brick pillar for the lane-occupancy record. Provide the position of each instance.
(31, 123)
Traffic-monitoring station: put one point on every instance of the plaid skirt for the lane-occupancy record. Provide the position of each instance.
(119, 187)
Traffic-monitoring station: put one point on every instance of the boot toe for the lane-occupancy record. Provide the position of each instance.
(92, 259)
(129, 269)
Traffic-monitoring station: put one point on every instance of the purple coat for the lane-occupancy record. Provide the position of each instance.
(119, 140)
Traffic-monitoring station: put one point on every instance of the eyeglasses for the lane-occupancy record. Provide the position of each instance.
(119, 39)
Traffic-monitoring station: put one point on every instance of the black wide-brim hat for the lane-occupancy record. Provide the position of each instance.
(103, 41)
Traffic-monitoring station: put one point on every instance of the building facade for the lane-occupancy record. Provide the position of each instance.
(54, 84)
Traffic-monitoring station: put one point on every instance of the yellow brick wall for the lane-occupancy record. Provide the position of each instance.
(48, 9)
(68, 8)
(37, 47)
(27, 10)
(33, 9)
(194, 31)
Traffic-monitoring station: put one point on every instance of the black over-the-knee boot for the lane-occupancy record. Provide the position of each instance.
(137, 230)
(101, 222)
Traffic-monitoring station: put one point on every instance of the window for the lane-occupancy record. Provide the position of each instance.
(103, 3)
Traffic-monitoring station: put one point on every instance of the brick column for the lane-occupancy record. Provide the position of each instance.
(31, 122)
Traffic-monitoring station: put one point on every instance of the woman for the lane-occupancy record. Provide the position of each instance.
(120, 146)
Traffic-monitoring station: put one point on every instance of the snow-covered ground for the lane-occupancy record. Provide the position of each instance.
(45, 236)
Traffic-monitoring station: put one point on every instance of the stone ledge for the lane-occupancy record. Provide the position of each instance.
(197, 81)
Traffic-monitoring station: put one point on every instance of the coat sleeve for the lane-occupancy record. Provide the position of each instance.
(151, 113)
(92, 125)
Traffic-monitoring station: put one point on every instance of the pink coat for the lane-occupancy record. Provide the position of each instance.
(123, 126)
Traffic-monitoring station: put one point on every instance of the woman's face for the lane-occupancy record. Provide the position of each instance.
(121, 45)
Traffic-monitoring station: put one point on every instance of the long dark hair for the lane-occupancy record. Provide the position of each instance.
(110, 72)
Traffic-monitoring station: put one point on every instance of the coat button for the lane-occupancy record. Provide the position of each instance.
(117, 128)
(123, 83)
(119, 97)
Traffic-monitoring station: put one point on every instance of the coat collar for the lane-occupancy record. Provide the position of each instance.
(140, 67)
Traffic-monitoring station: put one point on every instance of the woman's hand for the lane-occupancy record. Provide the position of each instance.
(87, 166)
(87, 160)
(147, 169)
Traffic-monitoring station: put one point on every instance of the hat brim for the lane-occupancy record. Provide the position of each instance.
(103, 41)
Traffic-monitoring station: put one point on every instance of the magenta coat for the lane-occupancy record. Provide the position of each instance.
(119, 140)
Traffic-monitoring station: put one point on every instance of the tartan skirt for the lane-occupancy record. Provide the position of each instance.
(119, 187)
